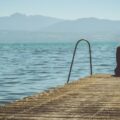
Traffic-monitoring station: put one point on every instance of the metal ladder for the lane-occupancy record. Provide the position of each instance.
(74, 53)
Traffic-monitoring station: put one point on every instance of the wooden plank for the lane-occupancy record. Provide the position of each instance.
(91, 98)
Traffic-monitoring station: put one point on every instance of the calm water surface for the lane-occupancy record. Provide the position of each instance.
(26, 69)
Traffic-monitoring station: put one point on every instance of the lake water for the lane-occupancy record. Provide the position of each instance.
(26, 69)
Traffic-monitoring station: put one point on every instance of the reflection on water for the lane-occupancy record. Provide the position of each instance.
(26, 69)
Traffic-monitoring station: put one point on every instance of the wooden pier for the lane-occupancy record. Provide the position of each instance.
(91, 98)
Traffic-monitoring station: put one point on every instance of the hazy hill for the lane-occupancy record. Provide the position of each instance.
(23, 22)
(19, 27)
(86, 25)
(19, 21)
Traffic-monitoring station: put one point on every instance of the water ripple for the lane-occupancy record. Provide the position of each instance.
(30, 68)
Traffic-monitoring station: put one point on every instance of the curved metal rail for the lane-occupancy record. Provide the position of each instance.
(74, 53)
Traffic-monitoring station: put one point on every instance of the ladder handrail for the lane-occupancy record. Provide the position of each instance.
(74, 53)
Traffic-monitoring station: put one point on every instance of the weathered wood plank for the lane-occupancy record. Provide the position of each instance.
(91, 98)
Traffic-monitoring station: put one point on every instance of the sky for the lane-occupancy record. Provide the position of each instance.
(65, 9)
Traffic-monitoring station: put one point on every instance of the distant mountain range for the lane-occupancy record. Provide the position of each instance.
(22, 27)
(21, 22)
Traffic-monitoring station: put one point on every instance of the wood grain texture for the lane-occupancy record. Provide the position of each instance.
(91, 98)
